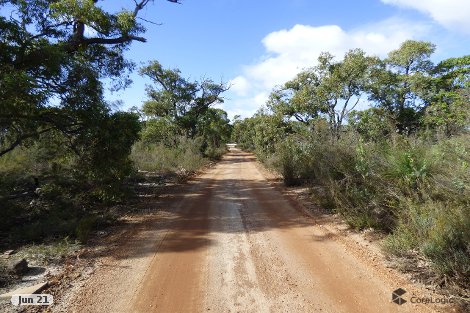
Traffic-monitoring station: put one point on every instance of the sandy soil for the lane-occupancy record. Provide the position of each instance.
(232, 242)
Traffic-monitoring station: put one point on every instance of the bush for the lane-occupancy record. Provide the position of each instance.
(185, 155)
(416, 191)
(85, 226)
(215, 153)
(294, 161)
(439, 231)
(42, 196)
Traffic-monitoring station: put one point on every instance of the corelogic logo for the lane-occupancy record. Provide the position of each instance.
(397, 296)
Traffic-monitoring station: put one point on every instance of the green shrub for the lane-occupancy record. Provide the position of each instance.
(439, 231)
(49, 252)
(84, 228)
(215, 153)
(415, 190)
(185, 155)
(290, 162)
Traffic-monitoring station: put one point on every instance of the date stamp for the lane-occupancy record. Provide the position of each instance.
(32, 299)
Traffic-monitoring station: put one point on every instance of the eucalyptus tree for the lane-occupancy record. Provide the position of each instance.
(179, 107)
(401, 83)
(261, 133)
(449, 101)
(214, 126)
(330, 90)
(54, 56)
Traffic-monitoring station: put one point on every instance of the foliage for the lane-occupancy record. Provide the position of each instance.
(184, 156)
(260, 133)
(84, 227)
(105, 162)
(414, 190)
(372, 124)
(178, 99)
(63, 150)
(450, 106)
(51, 252)
(161, 130)
(178, 108)
(400, 167)
(51, 90)
(329, 90)
(51, 71)
(415, 92)
(438, 224)
(214, 128)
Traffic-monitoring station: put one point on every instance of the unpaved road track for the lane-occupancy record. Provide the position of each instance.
(233, 243)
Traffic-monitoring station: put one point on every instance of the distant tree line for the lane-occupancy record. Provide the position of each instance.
(408, 94)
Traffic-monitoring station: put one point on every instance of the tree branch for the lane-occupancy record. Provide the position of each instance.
(148, 21)
(47, 29)
(139, 6)
(20, 139)
(112, 41)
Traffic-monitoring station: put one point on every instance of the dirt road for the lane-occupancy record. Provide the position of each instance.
(233, 243)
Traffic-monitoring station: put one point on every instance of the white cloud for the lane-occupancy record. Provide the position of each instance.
(245, 106)
(452, 14)
(260, 99)
(289, 51)
(239, 85)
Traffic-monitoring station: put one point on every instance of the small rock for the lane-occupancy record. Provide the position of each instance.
(18, 266)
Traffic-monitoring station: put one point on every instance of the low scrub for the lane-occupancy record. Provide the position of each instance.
(43, 197)
(415, 190)
(184, 155)
(437, 230)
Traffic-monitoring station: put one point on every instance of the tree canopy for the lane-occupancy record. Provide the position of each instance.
(329, 90)
(54, 56)
(180, 107)
(406, 89)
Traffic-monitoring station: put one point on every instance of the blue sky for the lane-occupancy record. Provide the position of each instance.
(256, 45)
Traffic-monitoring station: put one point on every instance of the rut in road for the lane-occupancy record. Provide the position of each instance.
(233, 243)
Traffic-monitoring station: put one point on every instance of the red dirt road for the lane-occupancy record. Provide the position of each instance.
(234, 243)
